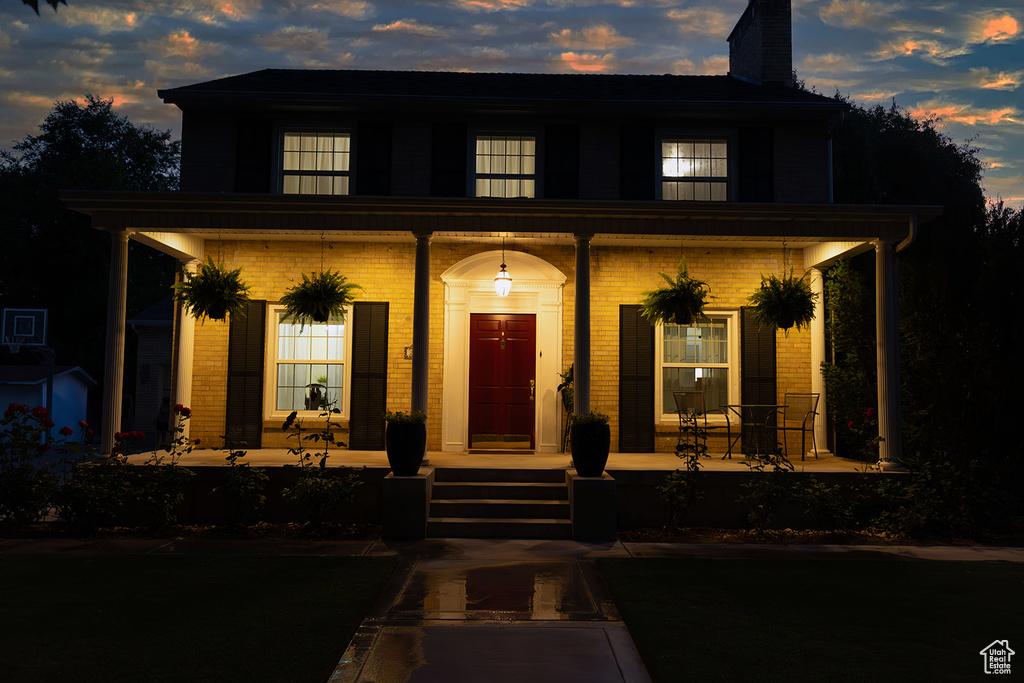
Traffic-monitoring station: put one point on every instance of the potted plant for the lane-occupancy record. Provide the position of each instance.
(784, 302)
(212, 291)
(405, 439)
(680, 303)
(590, 440)
(319, 297)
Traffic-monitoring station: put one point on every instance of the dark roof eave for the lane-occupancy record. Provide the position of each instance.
(143, 210)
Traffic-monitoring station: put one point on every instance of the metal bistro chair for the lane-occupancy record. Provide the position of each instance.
(797, 415)
(692, 402)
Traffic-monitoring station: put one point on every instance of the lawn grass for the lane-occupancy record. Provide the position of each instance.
(181, 618)
(800, 620)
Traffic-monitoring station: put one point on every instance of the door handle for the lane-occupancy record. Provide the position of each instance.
(532, 387)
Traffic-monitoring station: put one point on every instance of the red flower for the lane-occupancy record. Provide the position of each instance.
(182, 410)
(118, 436)
(850, 424)
(49, 424)
(869, 413)
(138, 436)
(83, 424)
(44, 447)
(66, 431)
(89, 432)
(40, 413)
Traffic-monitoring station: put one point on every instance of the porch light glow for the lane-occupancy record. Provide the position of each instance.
(502, 281)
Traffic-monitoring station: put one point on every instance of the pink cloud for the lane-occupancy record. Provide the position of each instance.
(587, 62)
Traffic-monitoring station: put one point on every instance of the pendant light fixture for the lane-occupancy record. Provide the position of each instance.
(502, 281)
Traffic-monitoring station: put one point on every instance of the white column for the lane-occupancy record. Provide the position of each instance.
(581, 371)
(887, 352)
(113, 368)
(421, 323)
(817, 356)
(185, 351)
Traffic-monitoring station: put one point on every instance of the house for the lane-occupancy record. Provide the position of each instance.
(997, 655)
(27, 385)
(422, 186)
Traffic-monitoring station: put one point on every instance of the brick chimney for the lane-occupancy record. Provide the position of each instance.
(761, 44)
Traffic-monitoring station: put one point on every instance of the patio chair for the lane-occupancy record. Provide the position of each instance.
(692, 403)
(797, 415)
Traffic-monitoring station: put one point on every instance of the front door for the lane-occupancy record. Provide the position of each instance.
(502, 362)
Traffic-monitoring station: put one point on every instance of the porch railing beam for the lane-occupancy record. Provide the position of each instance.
(113, 366)
(887, 353)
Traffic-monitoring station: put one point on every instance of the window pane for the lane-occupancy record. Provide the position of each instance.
(291, 142)
(712, 382)
(291, 161)
(718, 192)
(483, 187)
(529, 188)
(291, 184)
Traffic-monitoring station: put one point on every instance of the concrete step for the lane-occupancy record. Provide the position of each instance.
(478, 474)
(498, 508)
(468, 527)
(477, 490)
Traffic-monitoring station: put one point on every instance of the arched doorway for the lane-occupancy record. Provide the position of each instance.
(469, 298)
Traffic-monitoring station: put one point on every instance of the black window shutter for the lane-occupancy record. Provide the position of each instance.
(636, 381)
(757, 371)
(562, 162)
(254, 156)
(244, 413)
(368, 398)
(448, 160)
(373, 158)
(756, 165)
(639, 164)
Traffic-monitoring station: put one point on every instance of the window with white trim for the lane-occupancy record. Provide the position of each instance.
(695, 169)
(700, 357)
(506, 166)
(308, 364)
(316, 163)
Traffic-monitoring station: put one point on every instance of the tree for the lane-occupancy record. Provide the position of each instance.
(34, 4)
(53, 258)
(959, 294)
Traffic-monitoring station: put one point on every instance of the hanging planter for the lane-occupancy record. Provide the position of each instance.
(213, 291)
(680, 303)
(784, 302)
(320, 297)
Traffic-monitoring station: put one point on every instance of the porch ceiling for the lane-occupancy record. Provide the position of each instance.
(544, 221)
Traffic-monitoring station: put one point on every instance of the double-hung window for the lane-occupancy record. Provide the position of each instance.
(506, 166)
(698, 357)
(695, 169)
(316, 163)
(310, 364)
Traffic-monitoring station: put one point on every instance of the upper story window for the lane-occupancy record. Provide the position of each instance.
(695, 169)
(506, 166)
(316, 163)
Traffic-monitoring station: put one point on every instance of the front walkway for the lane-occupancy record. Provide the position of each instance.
(278, 457)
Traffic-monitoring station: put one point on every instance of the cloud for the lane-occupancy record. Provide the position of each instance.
(84, 53)
(181, 45)
(491, 5)
(994, 29)
(929, 50)
(1003, 80)
(703, 21)
(599, 37)
(353, 9)
(411, 26)
(103, 19)
(485, 29)
(831, 63)
(295, 39)
(966, 114)
(5, 41)
(856, 14)
(571, 61)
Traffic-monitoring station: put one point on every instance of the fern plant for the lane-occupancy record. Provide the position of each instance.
(319, 297)
(213, 291)
(680, 303)
(784, 302)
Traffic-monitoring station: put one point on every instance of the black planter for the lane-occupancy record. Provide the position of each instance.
(590, 444)
(406, 444)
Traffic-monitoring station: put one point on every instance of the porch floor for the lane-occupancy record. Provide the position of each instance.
(278, 457)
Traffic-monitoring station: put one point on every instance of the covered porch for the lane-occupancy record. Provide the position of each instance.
(187, 226)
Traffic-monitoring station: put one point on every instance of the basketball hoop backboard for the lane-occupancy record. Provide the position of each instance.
(24, 327)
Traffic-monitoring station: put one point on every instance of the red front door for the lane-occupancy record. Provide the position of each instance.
(502, 361)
